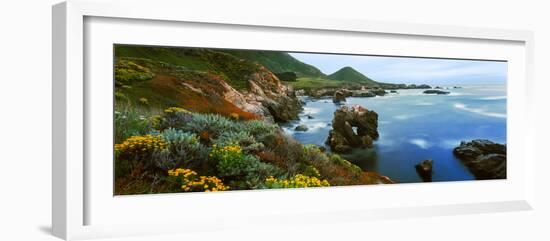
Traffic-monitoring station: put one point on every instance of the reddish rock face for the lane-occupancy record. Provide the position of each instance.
(265, 98)
(343, 137)
(269, 94)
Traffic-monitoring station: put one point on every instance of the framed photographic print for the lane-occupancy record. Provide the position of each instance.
(252, 120)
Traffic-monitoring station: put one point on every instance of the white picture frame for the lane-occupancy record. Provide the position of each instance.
(73, 191)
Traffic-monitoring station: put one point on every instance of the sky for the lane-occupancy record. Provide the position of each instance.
(412, 70)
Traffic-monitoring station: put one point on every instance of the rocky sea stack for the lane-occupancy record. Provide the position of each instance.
(424, 170)
(352, 127)
(484, 158)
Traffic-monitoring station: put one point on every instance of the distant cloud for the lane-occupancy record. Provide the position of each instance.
(412, 70)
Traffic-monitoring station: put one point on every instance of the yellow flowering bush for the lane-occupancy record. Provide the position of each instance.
(230, 159)
(138, 147)
(298, 181)
(190, 181)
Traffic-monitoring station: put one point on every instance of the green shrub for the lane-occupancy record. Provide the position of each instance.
(332, 167)
(184, 149)
(338, 160)
(212, 124)
(287, 149)
(130, 122)
(173, 117)
(259, 129)
(244, 171)
(243, 139)
(311, 171)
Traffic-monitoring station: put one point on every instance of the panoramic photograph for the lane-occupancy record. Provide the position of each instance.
(210, 119)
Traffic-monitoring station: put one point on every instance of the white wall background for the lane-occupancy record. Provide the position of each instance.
(25, 122)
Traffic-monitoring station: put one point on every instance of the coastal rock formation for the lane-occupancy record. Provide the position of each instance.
(422, 86)
(301, 128)
(354, 127)
(379, 91)
(484, 158)
(269, 98)
(424, 170)
(338, 97)
(363, 93)
(438, 92)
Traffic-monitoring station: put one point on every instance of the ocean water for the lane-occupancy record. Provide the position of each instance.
(413, 127)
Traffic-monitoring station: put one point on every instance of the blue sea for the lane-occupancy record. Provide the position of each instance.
(413, 127)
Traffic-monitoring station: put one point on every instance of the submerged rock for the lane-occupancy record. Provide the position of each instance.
(339, 96)
(439, 92)
(393, 91)
(484, 158)
(354, 127)
(309, 116)
(301, 128)
(424, 170)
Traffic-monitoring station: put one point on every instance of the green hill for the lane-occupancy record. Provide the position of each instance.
(349, 74)
(278, 62)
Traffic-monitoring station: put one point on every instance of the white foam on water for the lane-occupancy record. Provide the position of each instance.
(461, 106)
(503, 97)
(311, 110)
(449, 144)
(420, 143)
(424, 103)
(403, 117)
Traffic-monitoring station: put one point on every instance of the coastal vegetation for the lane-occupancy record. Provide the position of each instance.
(189, 120)
(207, 120)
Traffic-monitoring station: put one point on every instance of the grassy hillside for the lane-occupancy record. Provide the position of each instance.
(349, 74)
(232, 69)
(278, 62)
(154, 85)
(310, 83)
(234, 65)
